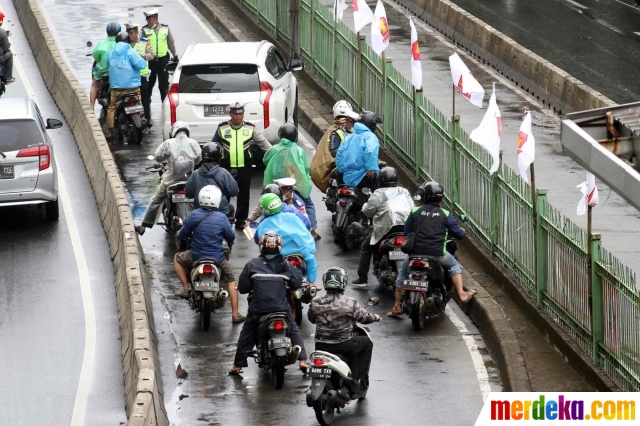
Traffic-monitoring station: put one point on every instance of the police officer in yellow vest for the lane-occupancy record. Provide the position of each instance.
(162, 43)
(143, 47)
(236, 137)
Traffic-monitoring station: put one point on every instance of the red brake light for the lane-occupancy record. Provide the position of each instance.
(344, 191)
(278, 325)
(294, 261)
(39, 151)
(207, 269)
(416, 276)
(318, 362)
(343, 203)
(173, 101)
(132, 101)
(265, 96)
(418, 263)
(398, 242)
(181, 191)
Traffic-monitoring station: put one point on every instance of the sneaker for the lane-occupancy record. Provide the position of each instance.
(139, 230)
(10, 80)
(240, 225)
(359, 283)
(182, 294)
(238, 318)
(315, 235)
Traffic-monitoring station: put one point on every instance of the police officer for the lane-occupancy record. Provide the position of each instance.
(143, 47)
(162, 43)
(236, 137)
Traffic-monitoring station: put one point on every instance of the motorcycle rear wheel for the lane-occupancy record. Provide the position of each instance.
(205, 313)
(324, 409)
(277, 373)
(346, 240)
(418, 316)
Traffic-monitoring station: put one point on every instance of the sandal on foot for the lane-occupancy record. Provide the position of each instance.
(304, 368)
(235, 371)
(394, 314)
(470, 293)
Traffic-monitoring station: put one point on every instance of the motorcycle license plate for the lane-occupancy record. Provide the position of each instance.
(320, 373)
(279, 342)
(133, 109)
(397, 255)
(206, 286)
(415, 285)
(180, 198)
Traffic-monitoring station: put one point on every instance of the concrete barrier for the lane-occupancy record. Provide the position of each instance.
(554, 87)
(140, 361)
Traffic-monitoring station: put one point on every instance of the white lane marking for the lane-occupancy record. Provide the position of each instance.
(84, 382)
(626, 4)
(576, 4)
(199, 21)
(476, 356)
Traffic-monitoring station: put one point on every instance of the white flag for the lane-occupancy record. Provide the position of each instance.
(464, 81)
(589, 194)
(416, 64)
(362, 14)
(489, 132)
(339, 7)
(526, 147)
(379, 30)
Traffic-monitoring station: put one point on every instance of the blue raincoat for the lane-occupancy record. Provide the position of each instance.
(358, 154)
(124, 65)
(296, 238)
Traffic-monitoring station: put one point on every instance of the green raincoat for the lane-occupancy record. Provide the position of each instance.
(288, 160)
(100, 54)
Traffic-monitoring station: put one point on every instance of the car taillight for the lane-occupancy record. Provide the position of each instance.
(207, 269)
(132, 101)
(318, 362)
(278, 325)
(344, 191)
(418, 263)
(39, 151)
(173, 101)
(265, 96)
(294, 261)
(398, 241)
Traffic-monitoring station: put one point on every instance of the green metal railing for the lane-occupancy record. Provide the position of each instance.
(586, 290)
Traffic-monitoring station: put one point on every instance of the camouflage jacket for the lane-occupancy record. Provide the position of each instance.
(335, 316)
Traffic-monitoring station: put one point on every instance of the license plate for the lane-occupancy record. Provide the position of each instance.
(320, 373)
(415, 285)
(133, 109)
(180, 198)
(279, 342)
(6, 172)
(397, 255)
(216, 110)
(206, 286)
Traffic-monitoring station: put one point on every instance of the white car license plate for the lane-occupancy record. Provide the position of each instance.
(320, 373)
(216, 110)
(206, 286)
(416, 285)
(133, 109)
(180, 198)
(279, 342)
(397, 255)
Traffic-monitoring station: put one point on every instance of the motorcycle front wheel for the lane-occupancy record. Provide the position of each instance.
(277, 373)
(323, 408)
(205, 313)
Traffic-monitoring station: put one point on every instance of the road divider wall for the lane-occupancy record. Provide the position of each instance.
(144, 402)
(552, 86)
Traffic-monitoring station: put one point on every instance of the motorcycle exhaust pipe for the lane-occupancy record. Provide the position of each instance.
(336, 399)
(224, 294)
(294, 353)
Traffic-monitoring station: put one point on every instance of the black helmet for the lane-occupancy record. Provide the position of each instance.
(123, 36)
(272, 188)
(288, 131)
(387, 177)
(370, 119)
(270, 243)
(430, 192)
(212, 151)
(335, 279)
(113, 28)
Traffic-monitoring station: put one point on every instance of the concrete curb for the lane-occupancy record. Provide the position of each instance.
(552, 86)
(144, 401)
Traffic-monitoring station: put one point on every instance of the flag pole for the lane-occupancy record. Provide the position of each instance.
(534, 205)
(384, 95)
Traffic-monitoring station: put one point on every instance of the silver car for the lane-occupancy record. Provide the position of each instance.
(27, 164)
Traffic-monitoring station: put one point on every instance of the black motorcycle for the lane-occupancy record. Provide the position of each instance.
(274, 350)
(129, 119)
(390, 257)
(350, 225)
(302, 295)
(104, 96)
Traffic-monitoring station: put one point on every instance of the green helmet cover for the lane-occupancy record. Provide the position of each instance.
(270, 204)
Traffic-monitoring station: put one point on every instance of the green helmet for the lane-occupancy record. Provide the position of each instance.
(335, 279)
(270, 204)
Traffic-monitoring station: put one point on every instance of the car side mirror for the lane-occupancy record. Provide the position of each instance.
(296, 65)
(52, 123)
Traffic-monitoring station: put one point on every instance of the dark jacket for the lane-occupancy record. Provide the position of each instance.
(266, 278)
(206, 241)
(212, 174)
(335, 316)
(432, 237)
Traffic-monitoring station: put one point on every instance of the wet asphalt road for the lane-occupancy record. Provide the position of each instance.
(431, 369)
(42, 323)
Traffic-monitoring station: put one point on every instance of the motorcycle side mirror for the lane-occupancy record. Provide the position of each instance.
(8, 33)
(89, 44)
(366, 191)
(150, 157)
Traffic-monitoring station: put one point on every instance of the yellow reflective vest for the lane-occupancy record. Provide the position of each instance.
(237, 143)
(159, 42)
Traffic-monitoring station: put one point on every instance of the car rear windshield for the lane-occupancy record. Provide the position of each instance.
(219, 78)
(17, 135)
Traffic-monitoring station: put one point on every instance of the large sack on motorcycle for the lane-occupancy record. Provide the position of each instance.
(322, 162)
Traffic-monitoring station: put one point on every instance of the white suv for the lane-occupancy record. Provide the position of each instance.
(210, 76)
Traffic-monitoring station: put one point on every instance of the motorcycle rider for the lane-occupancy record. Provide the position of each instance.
(237, 137)
(296, 237)
(6, 56)
(388, 207)
(124, 65)
(335, 316)
(287, 159)
(143, 47)
(357, 157)
(431, 241)
(207, 227)
(290, 196)
(100, 54)
(266, 276)
(210, 173)
(323, 161)
(287, 207)
(181, 153)
(161, 40)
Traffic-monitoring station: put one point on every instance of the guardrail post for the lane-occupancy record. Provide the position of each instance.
(455, 192)
(418, 126)
(495, 206)
(361, 40)
(312, 8)
(541, 254)
(388, 107)
(294, 29)
(595, 290)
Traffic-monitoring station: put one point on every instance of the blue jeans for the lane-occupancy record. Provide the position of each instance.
(311, 211)
(447, 261)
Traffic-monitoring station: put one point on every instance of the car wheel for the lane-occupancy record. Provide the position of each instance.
(52, 212)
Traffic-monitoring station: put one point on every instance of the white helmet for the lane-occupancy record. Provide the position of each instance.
(344, 109)
(180, 126)
(210, 196)
(151, 12)
(285, 182)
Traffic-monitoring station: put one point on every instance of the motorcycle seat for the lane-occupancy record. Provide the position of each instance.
(274, 315)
